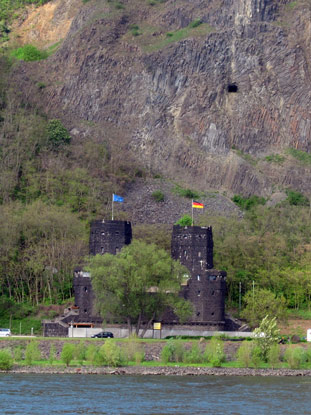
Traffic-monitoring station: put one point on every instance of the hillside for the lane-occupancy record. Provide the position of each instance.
(213, 94)
(160, 102)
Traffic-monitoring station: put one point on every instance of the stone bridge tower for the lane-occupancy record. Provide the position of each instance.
(206, 287)
(106, 236)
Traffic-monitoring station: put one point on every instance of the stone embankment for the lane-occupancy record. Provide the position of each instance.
(163, 371)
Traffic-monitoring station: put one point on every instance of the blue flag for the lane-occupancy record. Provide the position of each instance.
(116, 198)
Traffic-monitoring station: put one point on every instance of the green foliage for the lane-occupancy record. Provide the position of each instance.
(18, 354)
(123, 283)
(273, 356)
(119, 6)
(67, 353)
(134, 28)
(266, 335)
(173, 351)
(194, 355)
(300, 155)
(248, 203)
(188, 193)
(158, 196)
(32, 352)
(6, 360)
(275, 158)
(244, 354)
(80, 352)
(260, 303)
(134, 350)
(52, 354)
(214, 352)
(294, 356)
(29, 53)
(112, 354)
(256, 357)
(58, 135)
(178, 35)
(186, 220)
(90, 353)
(195, 23)
(296, 198)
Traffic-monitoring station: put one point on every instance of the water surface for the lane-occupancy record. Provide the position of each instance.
(156, 395)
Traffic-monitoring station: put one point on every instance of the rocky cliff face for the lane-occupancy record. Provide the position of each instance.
(201, 103)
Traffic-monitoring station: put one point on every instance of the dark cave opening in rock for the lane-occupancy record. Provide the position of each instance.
(232, 88)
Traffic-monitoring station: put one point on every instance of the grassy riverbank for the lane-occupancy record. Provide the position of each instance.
(46, 354)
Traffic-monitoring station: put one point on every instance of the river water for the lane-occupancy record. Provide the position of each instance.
(156, 395)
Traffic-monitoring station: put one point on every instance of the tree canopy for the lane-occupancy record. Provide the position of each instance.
(138, 284)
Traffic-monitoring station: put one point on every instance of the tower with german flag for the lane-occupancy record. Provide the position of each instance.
(206, 287)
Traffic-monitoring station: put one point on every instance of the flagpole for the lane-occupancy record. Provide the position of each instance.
(192, 211)
(112, 209)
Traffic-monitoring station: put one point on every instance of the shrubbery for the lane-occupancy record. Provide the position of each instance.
(32, 352)
(29, 53)
(6, 360)
(67, 354)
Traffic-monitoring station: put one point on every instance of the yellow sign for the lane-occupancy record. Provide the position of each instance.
(156, 326)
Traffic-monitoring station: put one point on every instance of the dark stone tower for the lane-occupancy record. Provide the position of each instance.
(206, 287)
(109, 236)
(106, 236)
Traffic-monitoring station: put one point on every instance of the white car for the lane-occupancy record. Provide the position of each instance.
(5, 332)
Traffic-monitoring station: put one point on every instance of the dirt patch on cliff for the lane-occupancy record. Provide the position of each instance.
(46, 25)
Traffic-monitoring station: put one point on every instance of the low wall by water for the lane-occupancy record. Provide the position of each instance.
(122, 332)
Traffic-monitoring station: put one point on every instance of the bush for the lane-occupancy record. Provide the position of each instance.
(6, 360)
(90, 353)
(256, 356)
(296, 198)
(248, 203)
(32, 352)
(52, 354)
(188, 193)
(168, 351)
(67, 353)
(80, 352)
(244, 354)
(186, 220)
(294, 356)
(57, 134)
(274, 355)
(134, 350)
(194, 355)
(112, 354)
(214, 352)
(29, 53)
(158, 196)
(195, 23)
(18, 354)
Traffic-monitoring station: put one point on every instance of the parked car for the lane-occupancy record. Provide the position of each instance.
(5, 332)
(103, 334)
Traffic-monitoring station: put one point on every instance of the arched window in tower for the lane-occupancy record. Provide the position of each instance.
(85, 289)
(102, 250)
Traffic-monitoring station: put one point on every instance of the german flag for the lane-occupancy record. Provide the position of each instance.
(197, 205)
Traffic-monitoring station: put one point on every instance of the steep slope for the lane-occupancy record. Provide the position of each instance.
(203, 103)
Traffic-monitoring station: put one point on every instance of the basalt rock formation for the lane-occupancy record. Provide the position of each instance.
(201, 91)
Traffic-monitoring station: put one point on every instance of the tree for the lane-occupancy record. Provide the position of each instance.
(266, 335)
(138, 284)
(185, 220)
(57, 134)
(261, 303)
